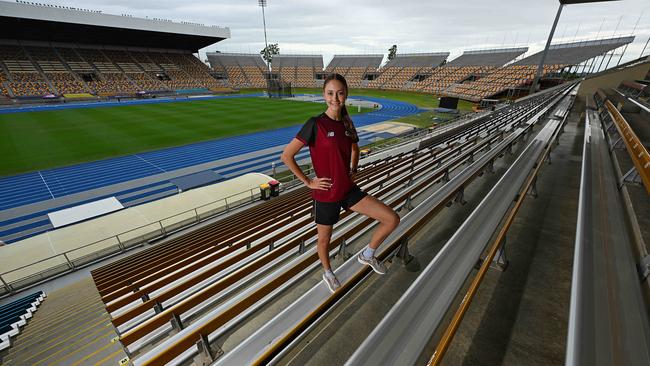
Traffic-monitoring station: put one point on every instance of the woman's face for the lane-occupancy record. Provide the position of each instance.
(334, 95)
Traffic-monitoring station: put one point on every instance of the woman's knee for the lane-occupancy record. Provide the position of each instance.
(392, 220)
(323, 240)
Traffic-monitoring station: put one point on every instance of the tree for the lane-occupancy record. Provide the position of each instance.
(392, 52)
(268, 52)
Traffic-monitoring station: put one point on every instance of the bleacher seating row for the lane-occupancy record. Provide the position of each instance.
(300, 70)
(14, 315)
(639, 92)
(473, 76)
(499, 81)
(146, 294)
(37, 71)
(241, 70)
(412, 72)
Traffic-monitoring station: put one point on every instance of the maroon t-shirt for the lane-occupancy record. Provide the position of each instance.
(330, 146)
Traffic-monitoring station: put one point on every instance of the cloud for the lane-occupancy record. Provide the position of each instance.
(371, 26)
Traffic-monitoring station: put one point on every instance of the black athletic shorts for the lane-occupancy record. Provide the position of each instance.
(327, 213)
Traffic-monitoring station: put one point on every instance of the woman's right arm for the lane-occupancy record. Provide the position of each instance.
(289, 159)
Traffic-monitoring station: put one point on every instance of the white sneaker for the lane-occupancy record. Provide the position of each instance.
(376, 265)
(332, 283)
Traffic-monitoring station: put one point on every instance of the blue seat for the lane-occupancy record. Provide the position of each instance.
(10, 313)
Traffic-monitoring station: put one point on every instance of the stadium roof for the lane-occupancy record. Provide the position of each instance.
(569, 2)
(298, 60)
(418, 59)
(218, 59)
(493, 57)
(574, 53)
(370, 60)
(51, 23)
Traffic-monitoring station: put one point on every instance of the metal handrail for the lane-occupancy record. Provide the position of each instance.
(64, 257)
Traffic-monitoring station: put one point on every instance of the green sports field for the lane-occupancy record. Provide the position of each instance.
(39, 140)
(422, 100)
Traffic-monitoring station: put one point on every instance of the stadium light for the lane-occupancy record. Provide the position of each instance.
(540, 67)
(262, 4)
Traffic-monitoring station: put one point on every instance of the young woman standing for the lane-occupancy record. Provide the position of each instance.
(332, 141)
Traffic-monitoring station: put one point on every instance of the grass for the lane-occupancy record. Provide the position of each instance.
(426, 119)
(47, 139)
(422, 100)
(40, 140)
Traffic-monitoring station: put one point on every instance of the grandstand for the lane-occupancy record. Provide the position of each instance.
(470, 65)
(513, 79)
(116, 56)
(355, 67)
(241, 70)
(406, 69)
(300, 70)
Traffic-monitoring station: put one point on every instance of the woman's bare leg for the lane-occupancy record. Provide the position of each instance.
(322, 246)
(375, 209)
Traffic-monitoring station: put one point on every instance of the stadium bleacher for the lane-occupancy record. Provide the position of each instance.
(154, 294)
(14, 315)
(40, 70)
(401, 70)
(634, 89)
(470, 64)
(242, 70)
(300, 70)
(354, 67)
(187, 295)
(520, 74)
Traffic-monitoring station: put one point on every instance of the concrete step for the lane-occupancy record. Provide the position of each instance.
(59, 320)
(57, 338)
(63, 348)
(72, 329)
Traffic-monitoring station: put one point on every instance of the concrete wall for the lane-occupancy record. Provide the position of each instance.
(91, 239)
(611, 79)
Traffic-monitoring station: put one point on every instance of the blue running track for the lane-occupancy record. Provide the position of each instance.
(43, 185)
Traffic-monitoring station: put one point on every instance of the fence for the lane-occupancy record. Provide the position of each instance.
(71, 260)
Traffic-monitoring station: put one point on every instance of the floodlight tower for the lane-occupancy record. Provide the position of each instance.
(262, 4)
(540, 67)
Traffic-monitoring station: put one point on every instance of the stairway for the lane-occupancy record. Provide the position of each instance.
(70, 328)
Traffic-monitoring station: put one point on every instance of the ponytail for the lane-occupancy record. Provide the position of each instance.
(347, 122)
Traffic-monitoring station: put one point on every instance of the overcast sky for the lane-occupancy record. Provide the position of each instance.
(331, 27)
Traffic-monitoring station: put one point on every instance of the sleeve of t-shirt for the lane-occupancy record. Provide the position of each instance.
(307, 134)
(355, 139)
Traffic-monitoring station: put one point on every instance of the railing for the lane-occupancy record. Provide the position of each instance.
(635, 148)
(449, 125)
(80, 257)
